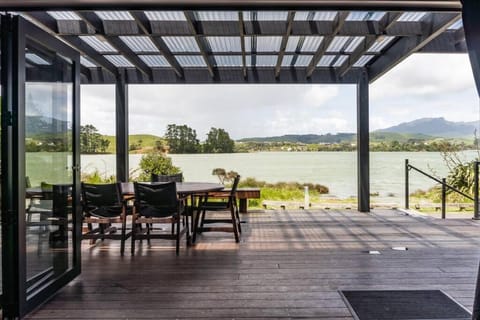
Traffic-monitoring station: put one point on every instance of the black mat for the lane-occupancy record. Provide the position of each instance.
(403, 304)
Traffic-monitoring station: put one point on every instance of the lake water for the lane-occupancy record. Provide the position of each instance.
(336, 170)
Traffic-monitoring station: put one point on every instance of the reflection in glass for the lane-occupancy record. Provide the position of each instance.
(48, 172)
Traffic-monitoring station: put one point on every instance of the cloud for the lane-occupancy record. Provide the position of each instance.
(317, 96)
(423, 85)
(425, 75)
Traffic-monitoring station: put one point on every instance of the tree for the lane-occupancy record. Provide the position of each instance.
(91, 141)
(158, 163)
(182, 139)
(218, 141)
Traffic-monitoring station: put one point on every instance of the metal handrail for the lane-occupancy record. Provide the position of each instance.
(444, 184)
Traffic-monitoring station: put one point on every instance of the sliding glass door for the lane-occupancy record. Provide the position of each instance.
(42, 217)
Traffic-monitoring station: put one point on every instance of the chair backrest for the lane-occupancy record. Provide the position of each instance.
(47, 190)
(233, 192)
(156, 200)
(101, 195)
(166, 178)
(236, 180)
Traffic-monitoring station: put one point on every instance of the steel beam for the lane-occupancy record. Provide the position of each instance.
(366, 5)
(121, 122)
(363, 140)
(283, 45)
(471, 24)
(192, 23)
(326, 43)
(116, 42)
(405, 46)
(144, 26)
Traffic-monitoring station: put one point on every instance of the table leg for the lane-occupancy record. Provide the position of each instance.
(243, 205)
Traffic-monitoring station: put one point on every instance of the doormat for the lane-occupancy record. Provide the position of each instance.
(403, 304)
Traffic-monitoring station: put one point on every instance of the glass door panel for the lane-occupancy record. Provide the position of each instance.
(48, 165)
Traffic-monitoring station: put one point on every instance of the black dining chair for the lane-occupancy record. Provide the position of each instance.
(103, 206)
(219, 201)
(158, 203)
(166, 177)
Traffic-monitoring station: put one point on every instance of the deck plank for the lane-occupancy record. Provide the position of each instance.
(288, 264)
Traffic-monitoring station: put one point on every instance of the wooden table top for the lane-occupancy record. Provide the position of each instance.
(182, 187)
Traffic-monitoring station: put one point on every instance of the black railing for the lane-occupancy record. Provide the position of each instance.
(445, 187)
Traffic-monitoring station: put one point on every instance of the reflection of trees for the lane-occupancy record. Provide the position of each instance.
(49, 142)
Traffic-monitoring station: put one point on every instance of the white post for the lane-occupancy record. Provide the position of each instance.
(307, 198)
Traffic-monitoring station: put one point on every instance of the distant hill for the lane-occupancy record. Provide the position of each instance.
(339, 138)
(145, 141)
(39, 125)
(305, 138)
(436, 127)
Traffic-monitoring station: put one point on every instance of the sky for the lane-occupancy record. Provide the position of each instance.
(423, 85)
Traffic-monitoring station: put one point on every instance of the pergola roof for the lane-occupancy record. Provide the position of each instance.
(248, 46)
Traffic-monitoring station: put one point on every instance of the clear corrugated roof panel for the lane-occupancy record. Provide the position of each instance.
(326, 61)
(292, 43)
(64, 15)
(324, 16)
(363, 60)
(114, 15)
(34, 58)
(287, 60)
(87, 63)
(456, 25)
(315, 16)
(340, 61)
(265, 15)
(165, 15)
(154, 61)
(365, 16)
(139, 43)
(99, 45)
(303, 60)
(191, 61)
(263, 44)
(301, 16)
(354, 43)
(216, 15)
(380, 43)
(411, 16)
(119, 61)
(266, 61)
(225, 44)
(338, 43)
(311, 43)
(229, 61)
(181, 44)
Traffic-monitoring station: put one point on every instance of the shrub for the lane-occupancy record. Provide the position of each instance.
(97, 177)
(158, 163)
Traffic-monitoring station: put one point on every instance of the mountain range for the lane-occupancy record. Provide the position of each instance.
(422, 129)
(435, 127)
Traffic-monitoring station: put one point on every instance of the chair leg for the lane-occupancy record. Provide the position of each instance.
(202, 219)
(238, 220)
(234, 224)
(134, 229)
(177, 247)
(148, 232)
(195, 221)
(122, 240)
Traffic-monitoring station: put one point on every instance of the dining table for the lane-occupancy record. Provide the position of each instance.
(185, 190)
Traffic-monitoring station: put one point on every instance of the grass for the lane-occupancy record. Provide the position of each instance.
(146, 142)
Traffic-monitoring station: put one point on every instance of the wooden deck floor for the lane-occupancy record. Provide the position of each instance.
(289, 264)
